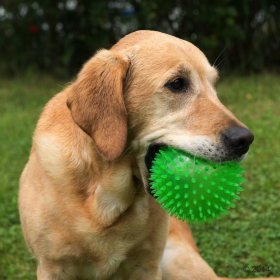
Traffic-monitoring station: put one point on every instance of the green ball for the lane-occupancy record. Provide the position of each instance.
(194, 189)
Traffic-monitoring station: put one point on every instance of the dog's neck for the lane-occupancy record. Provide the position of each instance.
(115, 189)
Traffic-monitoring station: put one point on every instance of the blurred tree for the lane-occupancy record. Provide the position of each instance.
(60, 35)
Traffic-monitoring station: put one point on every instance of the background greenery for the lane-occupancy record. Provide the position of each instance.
(249, 236)
(59, 35)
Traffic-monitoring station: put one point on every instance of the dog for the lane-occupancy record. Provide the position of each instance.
(85, 204)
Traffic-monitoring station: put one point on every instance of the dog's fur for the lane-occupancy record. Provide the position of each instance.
(84, 206)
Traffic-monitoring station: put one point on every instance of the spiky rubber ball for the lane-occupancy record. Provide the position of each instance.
(194, 189)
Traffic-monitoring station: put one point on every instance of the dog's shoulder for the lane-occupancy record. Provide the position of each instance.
(60, 146)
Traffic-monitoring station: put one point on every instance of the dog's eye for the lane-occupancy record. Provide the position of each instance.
(177, 85)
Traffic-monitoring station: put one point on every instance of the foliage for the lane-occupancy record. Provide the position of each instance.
(61, 35)
(248, 237)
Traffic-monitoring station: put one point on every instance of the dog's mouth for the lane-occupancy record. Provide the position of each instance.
(153, 149)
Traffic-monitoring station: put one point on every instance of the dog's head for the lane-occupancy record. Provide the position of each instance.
(152, 89)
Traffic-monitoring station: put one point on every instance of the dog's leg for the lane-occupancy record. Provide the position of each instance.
(148, 273)
(52, 271)
(143, 263)
(181, 259)
(44, 274)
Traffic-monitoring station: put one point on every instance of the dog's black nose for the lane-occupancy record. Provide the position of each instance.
(238, 139)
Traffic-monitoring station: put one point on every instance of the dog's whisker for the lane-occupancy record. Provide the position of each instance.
(220, 54)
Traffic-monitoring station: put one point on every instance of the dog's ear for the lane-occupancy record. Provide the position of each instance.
(97, 104)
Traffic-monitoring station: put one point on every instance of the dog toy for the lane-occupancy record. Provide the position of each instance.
(194, 189)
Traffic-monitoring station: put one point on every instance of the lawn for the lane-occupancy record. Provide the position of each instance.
(245, 243)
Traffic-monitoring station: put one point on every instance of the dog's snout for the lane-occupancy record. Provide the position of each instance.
(238, 139)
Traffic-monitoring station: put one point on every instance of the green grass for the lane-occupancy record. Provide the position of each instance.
(21, 101)
(249, 236)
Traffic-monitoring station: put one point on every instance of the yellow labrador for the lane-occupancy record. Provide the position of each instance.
(84, 201)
